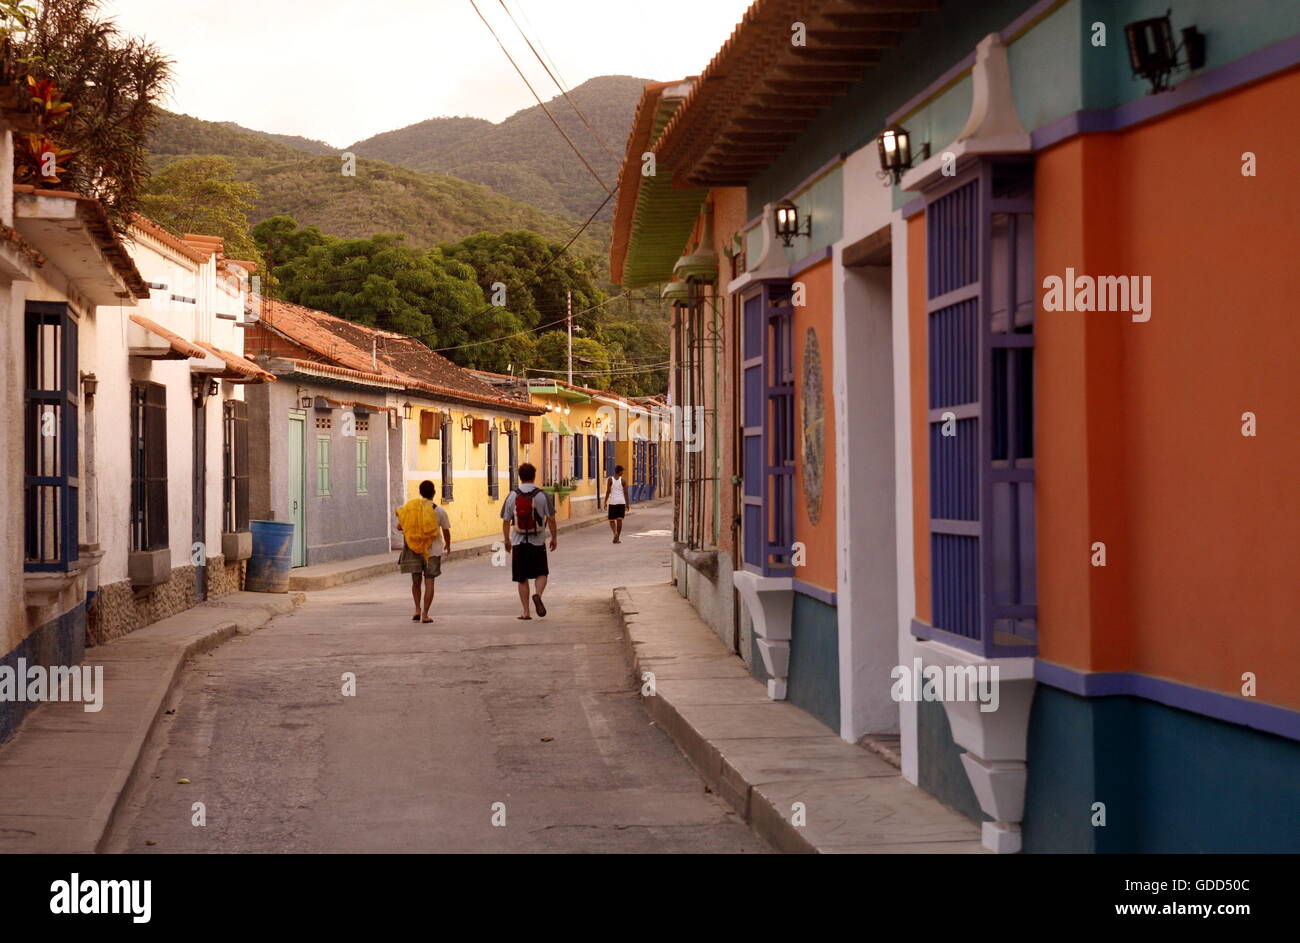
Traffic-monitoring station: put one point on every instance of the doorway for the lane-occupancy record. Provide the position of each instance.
(199, 487)
(298, 487)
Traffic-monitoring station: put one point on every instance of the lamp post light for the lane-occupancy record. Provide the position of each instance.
(787, 222)
(895, 147)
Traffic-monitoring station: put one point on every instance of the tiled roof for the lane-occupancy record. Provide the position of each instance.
(178, 343)
(156, 230)
(238, 365)
(366, 349)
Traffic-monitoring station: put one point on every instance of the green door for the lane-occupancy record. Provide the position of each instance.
(297, 488)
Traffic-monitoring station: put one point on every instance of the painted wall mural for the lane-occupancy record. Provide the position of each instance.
(813, 419)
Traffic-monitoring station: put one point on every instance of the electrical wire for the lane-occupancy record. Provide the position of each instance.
(604, 186)
(572, 104)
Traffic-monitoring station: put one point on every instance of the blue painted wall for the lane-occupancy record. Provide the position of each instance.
(1172, 781)
(60, 642)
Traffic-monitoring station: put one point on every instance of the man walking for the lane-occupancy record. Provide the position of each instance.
(616, 502)
(426, 535)
(526, 511)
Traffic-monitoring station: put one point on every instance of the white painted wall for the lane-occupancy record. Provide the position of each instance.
(864, 390)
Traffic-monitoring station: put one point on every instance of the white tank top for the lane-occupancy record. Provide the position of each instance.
(616, 495)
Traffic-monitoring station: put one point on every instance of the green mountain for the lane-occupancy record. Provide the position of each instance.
(310, 145)
(429, 208)
(524, 156)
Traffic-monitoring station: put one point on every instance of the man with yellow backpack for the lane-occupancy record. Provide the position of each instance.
(426, 532)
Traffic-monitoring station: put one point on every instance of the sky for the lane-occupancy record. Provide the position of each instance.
(342, 70)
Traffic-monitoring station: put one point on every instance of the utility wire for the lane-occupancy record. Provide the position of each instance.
(604, 186)
(558, 84)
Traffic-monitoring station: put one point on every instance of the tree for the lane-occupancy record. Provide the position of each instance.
(112, 84)
(201, 195)
(280, 241)
(382, 283)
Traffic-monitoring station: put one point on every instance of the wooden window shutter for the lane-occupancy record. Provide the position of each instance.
(155, 466)
(480, 431)
(525, 433)
(428, 428)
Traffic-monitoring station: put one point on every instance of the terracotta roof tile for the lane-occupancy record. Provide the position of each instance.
(366, 349)
(178, 343)
(239, 365)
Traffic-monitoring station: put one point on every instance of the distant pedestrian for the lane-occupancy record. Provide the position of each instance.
(616, 503)
(527, 509)
(426, 536)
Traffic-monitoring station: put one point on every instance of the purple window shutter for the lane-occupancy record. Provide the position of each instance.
(753, 524)
(980, 325)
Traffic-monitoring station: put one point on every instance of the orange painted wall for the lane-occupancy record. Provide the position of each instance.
(919, 354)
(1139, 424)
(820, 539)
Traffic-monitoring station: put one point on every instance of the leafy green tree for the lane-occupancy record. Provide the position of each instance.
(113, 83)
(382, 283)
(280, 242)
(201, 195)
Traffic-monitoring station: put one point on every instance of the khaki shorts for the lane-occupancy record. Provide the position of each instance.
(412, 562)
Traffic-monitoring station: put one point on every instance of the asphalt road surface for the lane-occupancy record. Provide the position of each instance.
(478, 733)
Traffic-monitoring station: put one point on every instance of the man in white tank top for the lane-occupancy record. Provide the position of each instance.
(616, 502)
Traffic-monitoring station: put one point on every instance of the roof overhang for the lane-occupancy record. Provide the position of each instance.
(75, 235)
(148, 339)
(653, 218)
(761, 90)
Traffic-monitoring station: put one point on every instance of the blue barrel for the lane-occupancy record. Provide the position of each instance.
(268, 567)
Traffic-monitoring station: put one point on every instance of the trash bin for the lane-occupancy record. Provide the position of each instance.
(268, 567)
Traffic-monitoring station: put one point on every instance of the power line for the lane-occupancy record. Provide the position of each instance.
(572, 103)
(604, 186)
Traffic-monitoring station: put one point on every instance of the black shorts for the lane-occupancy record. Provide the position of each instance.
(527, 562)
(616, 511)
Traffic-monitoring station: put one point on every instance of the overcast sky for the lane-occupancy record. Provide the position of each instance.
(342, 70)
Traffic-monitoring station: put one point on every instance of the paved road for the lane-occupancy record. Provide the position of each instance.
(448, 719)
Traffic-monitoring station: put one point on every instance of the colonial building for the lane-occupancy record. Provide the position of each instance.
(987, 418)
(359, 419)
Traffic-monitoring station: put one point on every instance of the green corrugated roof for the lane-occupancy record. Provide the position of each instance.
(664, 218)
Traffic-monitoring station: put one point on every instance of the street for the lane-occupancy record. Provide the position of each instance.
(478, 733)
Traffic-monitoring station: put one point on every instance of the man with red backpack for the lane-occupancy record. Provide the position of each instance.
(526, 511)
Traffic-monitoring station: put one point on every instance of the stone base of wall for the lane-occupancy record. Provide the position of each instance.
(119, 610)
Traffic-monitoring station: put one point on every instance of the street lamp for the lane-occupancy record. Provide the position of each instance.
(895, 146)
(787, 222)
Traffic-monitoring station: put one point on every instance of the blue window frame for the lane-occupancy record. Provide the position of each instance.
(767, 378)
(980, 314)
(577, 457)
(50, 404)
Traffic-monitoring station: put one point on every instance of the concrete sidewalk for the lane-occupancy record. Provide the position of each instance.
(765, 757)
(326, 575)
(63, 774)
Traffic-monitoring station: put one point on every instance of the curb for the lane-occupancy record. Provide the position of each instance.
(101, 823)
(367, 571)
(708, 761)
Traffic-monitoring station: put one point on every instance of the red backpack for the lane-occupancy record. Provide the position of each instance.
(527, 520)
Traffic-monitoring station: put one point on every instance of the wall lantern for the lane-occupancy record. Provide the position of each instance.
(406, 410)
(1153, 55)
(466, 423)
(787, 222)
(588, 423)
(305, 401)
(567, 410)
(895, 144)
(89, 383)
(508, 426)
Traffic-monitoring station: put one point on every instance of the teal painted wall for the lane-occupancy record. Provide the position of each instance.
(939, 768)
(1172, 781)
(1055, 71)
(824, 200)
(813, 684)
